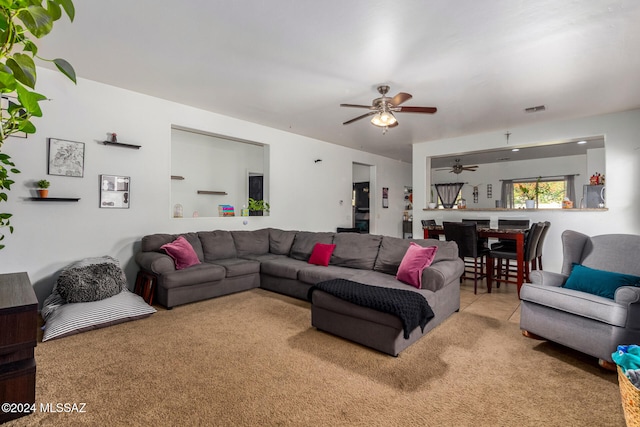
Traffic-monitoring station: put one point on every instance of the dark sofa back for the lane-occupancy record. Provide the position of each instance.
(355, 250)
(305, 241)
(392, 250)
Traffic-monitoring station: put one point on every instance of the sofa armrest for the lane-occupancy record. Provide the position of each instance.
(629, 296)
(438, 274)
(547, 278)
(155, 262)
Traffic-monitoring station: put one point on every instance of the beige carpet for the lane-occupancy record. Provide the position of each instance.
(252, 359)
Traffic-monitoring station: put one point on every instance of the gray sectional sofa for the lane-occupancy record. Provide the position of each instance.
(277, 260)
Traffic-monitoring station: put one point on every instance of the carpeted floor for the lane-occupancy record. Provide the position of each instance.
(252, 359)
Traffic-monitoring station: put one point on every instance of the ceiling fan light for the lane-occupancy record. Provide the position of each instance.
(385, 118)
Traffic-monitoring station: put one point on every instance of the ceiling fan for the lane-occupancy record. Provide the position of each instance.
(458, 168)
(382, 109)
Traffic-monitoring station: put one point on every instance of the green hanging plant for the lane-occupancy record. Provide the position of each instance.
(19, 20)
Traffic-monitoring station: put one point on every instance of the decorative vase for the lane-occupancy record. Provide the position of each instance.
(43, 193)
(433, 205)
(530, 204)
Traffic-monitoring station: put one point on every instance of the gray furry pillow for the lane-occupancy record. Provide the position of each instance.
(91, 279)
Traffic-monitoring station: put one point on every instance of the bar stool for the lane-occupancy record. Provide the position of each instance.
(507, 275)
(537, 262)
(465, 234)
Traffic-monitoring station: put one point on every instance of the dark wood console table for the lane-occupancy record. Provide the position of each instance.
(18, 339)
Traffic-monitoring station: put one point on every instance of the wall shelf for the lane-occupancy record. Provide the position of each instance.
(216, 193)
(122, 144)
(177, 177)
(54, 199)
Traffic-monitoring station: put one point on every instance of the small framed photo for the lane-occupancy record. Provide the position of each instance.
(66, 158)
(114, 191)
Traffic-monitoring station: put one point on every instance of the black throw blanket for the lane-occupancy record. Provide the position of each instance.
(411, 307)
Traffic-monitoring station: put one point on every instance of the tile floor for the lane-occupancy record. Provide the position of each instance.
(502, 303)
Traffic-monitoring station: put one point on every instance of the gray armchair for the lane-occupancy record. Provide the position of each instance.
(588, 323)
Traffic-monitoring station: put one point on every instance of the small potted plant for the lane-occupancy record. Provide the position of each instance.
(530, 196)
(43, 186)
(432, 204)
(257, 207)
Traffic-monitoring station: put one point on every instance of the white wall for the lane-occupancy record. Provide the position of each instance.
(303, 194)
(622, 162)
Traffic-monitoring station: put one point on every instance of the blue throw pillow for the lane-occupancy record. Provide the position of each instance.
(598, 282)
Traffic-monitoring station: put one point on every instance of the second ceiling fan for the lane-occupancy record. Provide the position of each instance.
(458, 168)
(382, 109)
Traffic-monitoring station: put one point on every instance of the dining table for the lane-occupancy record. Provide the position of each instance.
(515, 234)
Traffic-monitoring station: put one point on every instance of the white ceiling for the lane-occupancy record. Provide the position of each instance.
(288, 64)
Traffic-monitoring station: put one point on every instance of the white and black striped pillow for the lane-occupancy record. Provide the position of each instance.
(62, 320)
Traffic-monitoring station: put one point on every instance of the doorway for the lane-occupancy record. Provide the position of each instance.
(362, 200)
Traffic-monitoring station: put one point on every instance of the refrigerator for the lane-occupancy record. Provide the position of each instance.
(593, 196)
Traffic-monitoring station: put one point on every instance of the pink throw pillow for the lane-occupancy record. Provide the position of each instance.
(321, 254)
(182, 253)
(416, 259)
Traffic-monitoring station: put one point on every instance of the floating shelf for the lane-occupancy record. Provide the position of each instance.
(122, 144)
(54, 199)
(217, 193)
(177, 177)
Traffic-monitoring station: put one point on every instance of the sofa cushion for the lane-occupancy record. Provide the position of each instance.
(612, 252)
(238, 267)
(321, 254)
(217, 244)
(251, 242)
(305, 241)
(598, 282)
(356, 250)
(392, 250)
(415, 260)
(181, 252)
(286, 268)
(201, 273)
(317, 274)
(280, 241)
(153, 242)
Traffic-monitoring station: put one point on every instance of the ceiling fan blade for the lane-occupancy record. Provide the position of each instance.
(470, 167)
(427, 110)
(357, 106)
(359, 117)
(400, 98)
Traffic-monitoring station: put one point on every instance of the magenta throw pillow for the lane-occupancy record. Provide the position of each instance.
(182, 253)
(321, 254)
(416, 259)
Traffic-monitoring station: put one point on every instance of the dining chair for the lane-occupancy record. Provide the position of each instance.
(509, 223)
(483, 242)
(465, 234)
(505, 273)
(428, 222)
(537, 262)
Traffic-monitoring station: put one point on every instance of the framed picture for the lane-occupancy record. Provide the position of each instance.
(114, 192)
(5, 100)
(66, 158)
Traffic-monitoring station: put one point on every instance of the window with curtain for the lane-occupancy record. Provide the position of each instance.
(507, 194)
(448, 193)
(547, 192)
